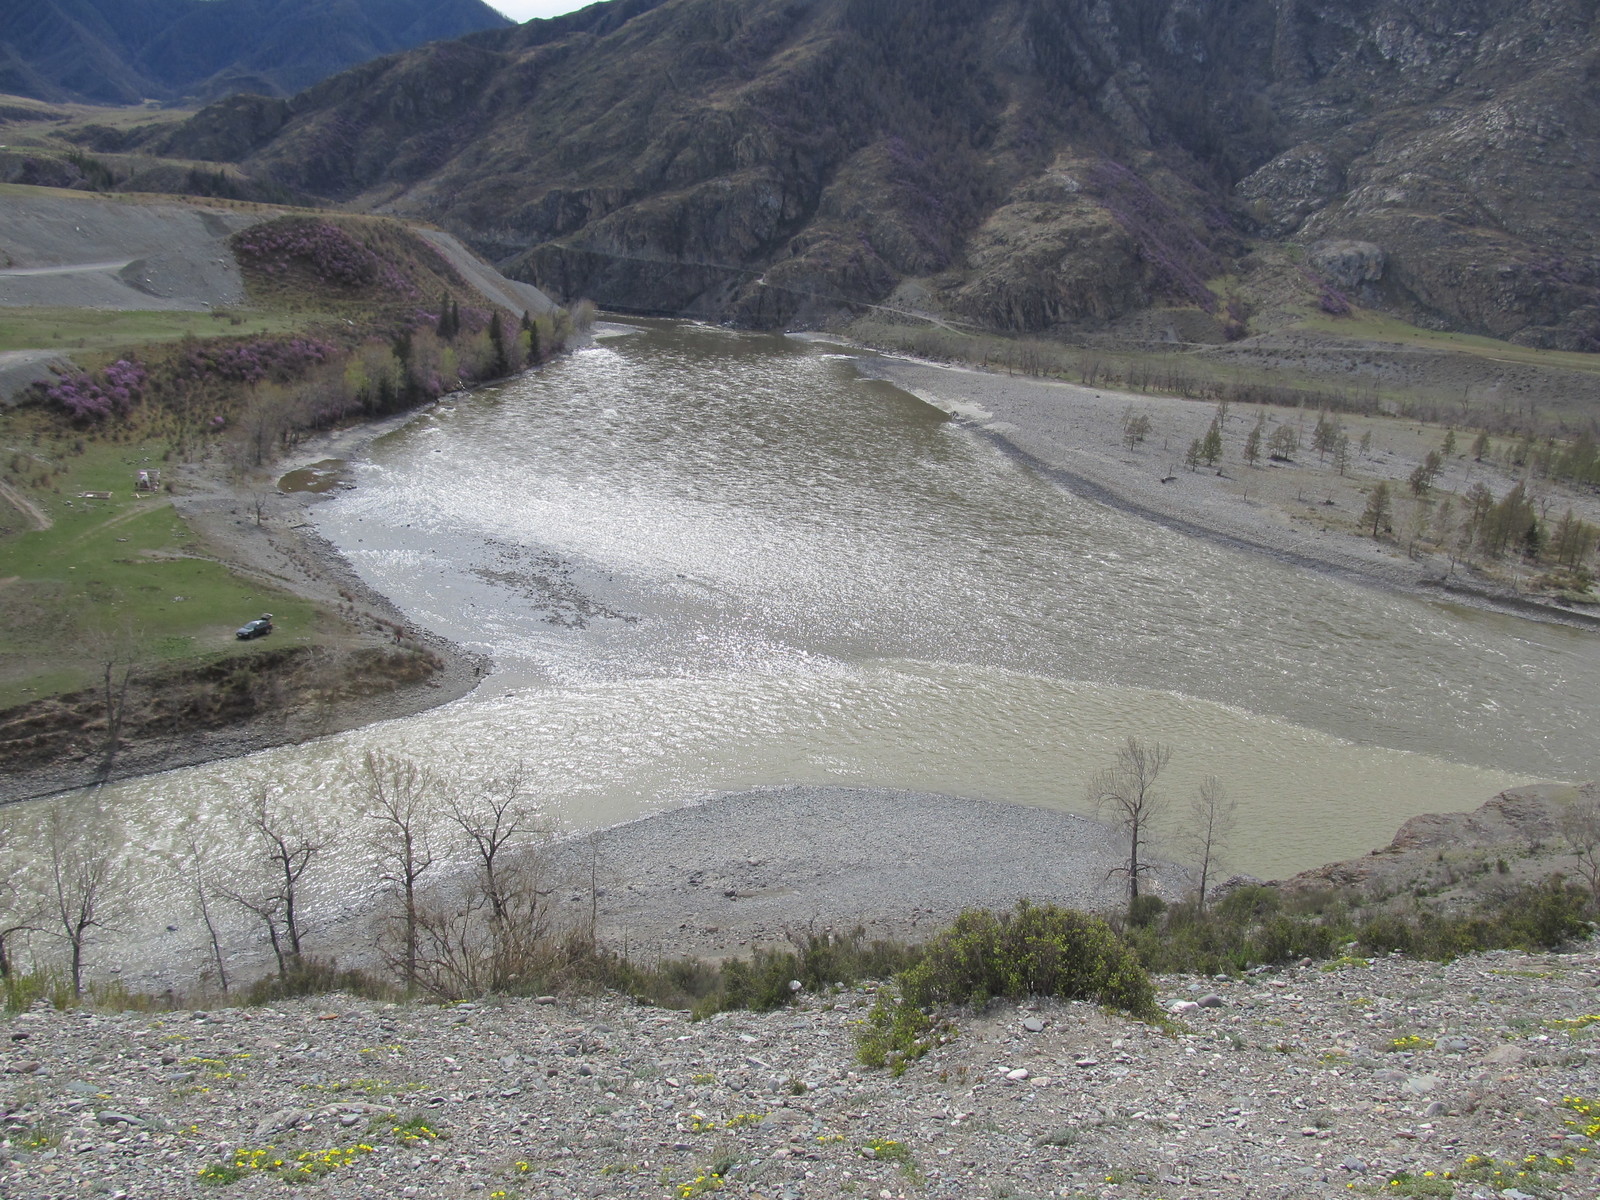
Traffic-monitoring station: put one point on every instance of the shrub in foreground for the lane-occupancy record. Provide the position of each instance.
(1030, 951)
(1261, 926)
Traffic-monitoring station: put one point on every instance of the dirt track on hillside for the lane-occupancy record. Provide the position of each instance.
(72, 251)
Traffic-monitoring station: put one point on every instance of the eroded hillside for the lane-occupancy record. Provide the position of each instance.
(1032, 166)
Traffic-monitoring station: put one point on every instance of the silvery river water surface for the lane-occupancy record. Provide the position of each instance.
(705, 560)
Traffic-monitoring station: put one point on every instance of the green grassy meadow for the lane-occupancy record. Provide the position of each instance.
(104, 330)
(118, 576)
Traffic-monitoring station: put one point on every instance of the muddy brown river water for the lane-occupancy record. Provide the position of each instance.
(705, 561)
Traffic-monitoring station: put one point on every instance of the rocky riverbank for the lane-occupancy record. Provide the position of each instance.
(1305, 1083)
(1304, 512)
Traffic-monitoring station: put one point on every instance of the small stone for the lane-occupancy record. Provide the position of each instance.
(1505, 1055)
(348, 1119)
(1183, 1006)
(1308, 1131)
(117, 1118)
(284, 1118)
(1455, 1045)
(25, 1068)
(1086, 1063)
(1351, 1163)
(545, 1000)
(1211, 1000)
(1421, 1085)
(1017, 1075)
(1033, 1025)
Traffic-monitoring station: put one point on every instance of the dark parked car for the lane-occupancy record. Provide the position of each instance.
(260, 627)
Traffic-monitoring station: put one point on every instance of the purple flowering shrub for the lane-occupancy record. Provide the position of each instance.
(93, 396)
(253, 360)
(319, 247)
(1180, 260)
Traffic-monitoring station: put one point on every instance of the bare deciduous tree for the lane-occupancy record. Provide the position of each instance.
(497, 926)
(21, 907)
(82, 886)
(497, 824)
(283, 853)
(202, 895)
(1211, 820)
(1580, 825)
(400, 797)
(1126, 795)
(115, 652)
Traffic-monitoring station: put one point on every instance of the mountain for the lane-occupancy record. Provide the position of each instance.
(1023, 165)
(124, 51)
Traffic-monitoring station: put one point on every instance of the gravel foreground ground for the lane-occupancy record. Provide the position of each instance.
(1316, 1081)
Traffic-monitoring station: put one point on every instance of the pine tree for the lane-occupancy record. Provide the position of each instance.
(1252, 445)
(1376, 515)
(497, 339)
(1211, 445)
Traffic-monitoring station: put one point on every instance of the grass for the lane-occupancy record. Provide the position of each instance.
(1366, 325)
(107, 575)
(1210, 375)
(92, 330)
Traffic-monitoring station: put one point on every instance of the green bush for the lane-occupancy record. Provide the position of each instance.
(21, 989)
(760, 982)
(1030, 951)
(1257, 925)
(314, 977)
(1144, 909)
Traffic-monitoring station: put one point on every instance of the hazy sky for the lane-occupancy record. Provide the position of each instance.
(523, 10)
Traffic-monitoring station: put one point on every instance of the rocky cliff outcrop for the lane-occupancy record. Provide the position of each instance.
(1037, 164)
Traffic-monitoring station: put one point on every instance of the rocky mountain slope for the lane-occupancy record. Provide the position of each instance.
(124, 51)
(1023, 165)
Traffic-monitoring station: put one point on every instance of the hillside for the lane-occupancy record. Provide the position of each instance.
(1017, 165)
(199, 341)
(1359, 1077)
(125, 51)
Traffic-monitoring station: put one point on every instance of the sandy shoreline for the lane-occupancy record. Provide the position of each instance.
(1072, 435)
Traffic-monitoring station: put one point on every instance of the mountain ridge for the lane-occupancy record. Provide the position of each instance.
(126, 51)
(1026, 166)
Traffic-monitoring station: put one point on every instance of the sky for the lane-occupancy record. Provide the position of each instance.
(524, 10)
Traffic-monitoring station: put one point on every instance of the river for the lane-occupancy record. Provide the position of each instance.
(705, 560)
